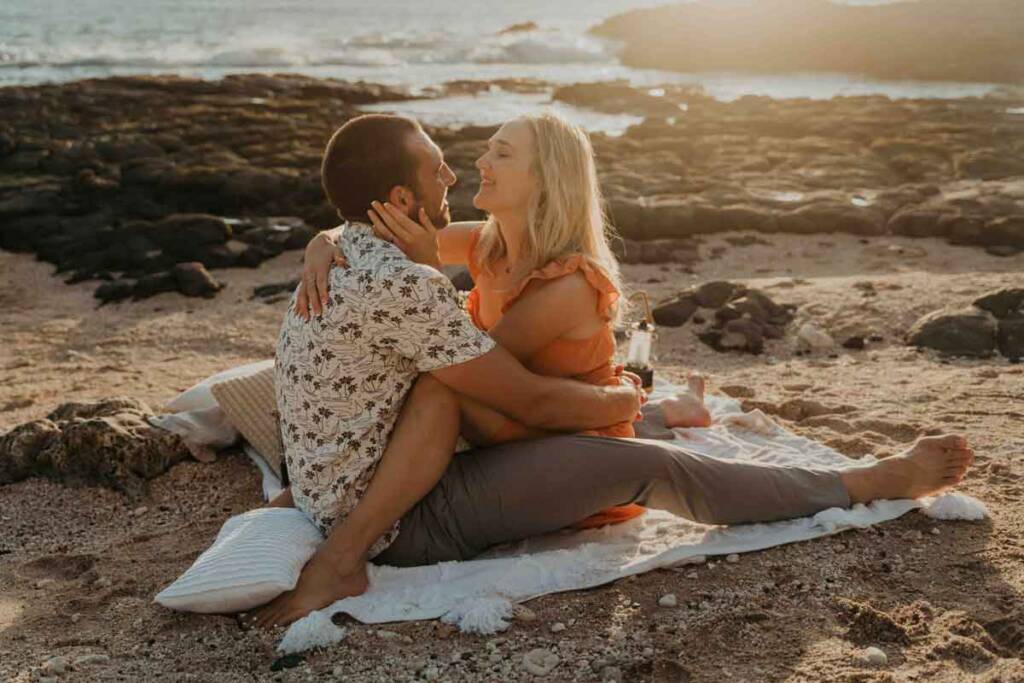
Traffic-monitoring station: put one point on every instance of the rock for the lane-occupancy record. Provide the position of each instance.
(91, 660)
(742, 334)
(855, 343)
(184, 233)
(675, 313)
(875, 656)
(519, 28)
(717, 293)
(1002, 250)
(540, 662)
(611, 674)
(732, 559)
(56, 665)
(965, 332)
(557, 627)
(668, 600)
(811, 338)
(523, 613)
(1010, 337)
(150, 285)
(117, 290)
(194, 280)
(1004, 231)
(701, 37)
(1002, 303)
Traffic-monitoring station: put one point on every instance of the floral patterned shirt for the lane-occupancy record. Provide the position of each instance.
(341, 378)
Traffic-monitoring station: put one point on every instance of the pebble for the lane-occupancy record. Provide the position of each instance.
(875, 656)
(557, 627)
(75, 617)
(732, 559)
(611, 673)
(55, 665)
(523, 613)
(935, 531)
(668, 600)
(431, 673)
(692, 575)
(87, 660)
(540, 662)
(140, 511)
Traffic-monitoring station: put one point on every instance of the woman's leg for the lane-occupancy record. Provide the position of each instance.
(513, 491)
(420, 449)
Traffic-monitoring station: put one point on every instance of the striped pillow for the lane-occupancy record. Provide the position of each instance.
(251, 406)
(256, 556)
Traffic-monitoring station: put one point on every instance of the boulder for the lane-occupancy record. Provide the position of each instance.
(964, 332)
(1003, 231)
(184, 234)
(192, 279)
(1010, 338)
(1003, 303)
(717, 293)
(675, 313)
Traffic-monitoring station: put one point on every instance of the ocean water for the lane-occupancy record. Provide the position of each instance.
(413, 43)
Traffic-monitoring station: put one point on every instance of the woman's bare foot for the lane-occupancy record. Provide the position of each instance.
(322, 582)
(687, 409)
(933, 463)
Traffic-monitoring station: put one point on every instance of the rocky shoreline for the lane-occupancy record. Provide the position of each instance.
(144, 183)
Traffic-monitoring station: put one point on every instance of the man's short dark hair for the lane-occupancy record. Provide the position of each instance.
(365, 158)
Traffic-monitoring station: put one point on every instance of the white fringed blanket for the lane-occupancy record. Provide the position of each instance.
(479, 595)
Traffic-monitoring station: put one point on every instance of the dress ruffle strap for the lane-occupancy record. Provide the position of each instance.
(607, 293)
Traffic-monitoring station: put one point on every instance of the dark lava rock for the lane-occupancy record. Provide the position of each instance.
(183, 233)
(742, 334)
(194, 280)
(1010, 337)
(1003, 303)
(675, 313)
(109, 442)
(274, 288)
(117, 290)
(855, 343)
(966, 332)
(716, 293)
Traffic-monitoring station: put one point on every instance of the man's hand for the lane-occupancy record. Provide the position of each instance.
(631, 379)
(417, 240)
(321, 254)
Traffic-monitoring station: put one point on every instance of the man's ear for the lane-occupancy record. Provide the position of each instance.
(402, 197)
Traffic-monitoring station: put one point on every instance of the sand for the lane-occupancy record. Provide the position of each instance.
(942, 600)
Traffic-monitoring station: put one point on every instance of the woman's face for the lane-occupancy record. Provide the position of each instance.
(506, 179)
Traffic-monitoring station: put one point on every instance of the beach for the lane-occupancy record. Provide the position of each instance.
(152, 219)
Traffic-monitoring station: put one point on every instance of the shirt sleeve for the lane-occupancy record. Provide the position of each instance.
(418, 315)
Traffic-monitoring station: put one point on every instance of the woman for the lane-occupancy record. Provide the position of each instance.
(547, 284)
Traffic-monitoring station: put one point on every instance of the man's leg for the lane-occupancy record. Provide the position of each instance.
(420, 448)
(513, 491)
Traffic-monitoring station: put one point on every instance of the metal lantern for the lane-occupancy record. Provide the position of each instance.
(641, 345)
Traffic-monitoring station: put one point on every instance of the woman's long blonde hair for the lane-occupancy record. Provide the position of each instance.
(566, 215)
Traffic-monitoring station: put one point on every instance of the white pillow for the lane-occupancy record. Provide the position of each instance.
(199, 397)
(256, 556)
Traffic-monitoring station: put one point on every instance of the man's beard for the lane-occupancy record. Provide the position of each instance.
(441, 219)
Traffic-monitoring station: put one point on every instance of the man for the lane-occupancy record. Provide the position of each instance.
(343, 377)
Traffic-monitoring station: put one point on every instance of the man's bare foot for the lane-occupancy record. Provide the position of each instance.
(933, 463)
(687, 409)
(321, 583)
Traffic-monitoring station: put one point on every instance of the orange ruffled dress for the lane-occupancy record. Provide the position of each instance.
(587, 360)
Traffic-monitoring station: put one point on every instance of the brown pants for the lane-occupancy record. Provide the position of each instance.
(520, 489)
